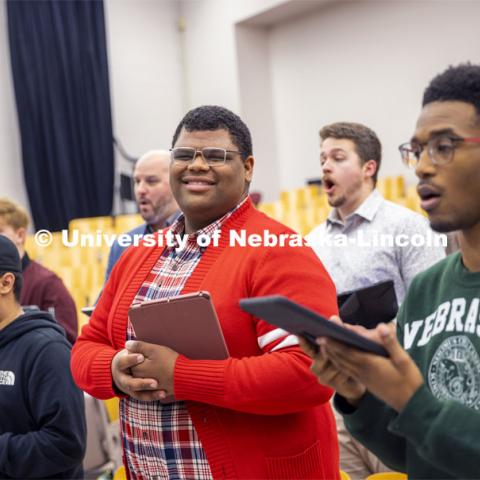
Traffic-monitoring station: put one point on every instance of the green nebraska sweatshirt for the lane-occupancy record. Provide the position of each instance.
(437, 434)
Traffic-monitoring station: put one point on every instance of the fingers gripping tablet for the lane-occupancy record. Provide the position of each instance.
(296, 319)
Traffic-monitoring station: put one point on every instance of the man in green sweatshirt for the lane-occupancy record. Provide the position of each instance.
(419, 409)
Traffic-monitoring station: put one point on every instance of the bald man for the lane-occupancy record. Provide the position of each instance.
(153, 196)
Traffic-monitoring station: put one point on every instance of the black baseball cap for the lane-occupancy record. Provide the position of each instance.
(9, 256)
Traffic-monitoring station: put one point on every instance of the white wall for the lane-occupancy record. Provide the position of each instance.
(12, 184)
(285, 71)
(302, 64)
(145, 72)
(210, 60)
(257, 106)
(362, 61)
(245, 10)
(146, 78)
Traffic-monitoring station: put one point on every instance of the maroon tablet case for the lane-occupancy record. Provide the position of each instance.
(187, 324)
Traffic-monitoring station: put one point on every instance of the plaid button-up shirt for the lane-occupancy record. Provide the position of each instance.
(159, 440)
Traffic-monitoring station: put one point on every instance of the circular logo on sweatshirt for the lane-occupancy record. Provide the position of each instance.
(454, 372)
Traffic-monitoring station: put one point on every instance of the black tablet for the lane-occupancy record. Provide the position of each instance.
(370, 305)
(296, 319)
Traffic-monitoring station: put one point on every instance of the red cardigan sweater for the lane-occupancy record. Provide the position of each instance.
(258, 415)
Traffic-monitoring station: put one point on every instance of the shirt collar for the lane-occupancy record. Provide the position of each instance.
(178, 226)
(169, 221)
(25, 261)
(367, 210)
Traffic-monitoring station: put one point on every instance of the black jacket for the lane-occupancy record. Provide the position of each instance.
(42, 420)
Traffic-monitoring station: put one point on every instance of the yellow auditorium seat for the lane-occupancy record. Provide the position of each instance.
(385, 185)
(382, 187)
(82, 268)
(285, 199)
(322, 200)
(267, 208)
(293, 219)
(92, 224)
(103, 254)
(120, 473)
(50, 250)
(398, 186)
(272, 209)
(302, 209)
(31, 247)
(401, 201)
(296, 199)
(413, 200)
(66, 274)
(391, 188)
(321, 211)
(125, 223)
(313, 191)
(387, 476)
(344, 475)
(300, 198)
(112, 408)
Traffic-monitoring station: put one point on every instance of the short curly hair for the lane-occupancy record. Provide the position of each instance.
(213, 117)
(456, 83)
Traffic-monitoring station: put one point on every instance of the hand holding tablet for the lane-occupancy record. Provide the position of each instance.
(296, 319)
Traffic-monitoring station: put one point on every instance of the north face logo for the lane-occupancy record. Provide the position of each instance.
(7, 377)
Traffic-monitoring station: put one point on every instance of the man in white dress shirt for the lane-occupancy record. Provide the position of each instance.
(366, 239)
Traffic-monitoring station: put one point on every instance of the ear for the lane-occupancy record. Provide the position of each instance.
(370, 168)
(7, 282)
(248, 165)
(21, 234)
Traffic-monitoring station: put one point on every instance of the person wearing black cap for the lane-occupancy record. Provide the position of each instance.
(41, 287)
(42, 421)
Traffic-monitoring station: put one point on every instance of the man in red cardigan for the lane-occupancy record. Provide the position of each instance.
(258, 414)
